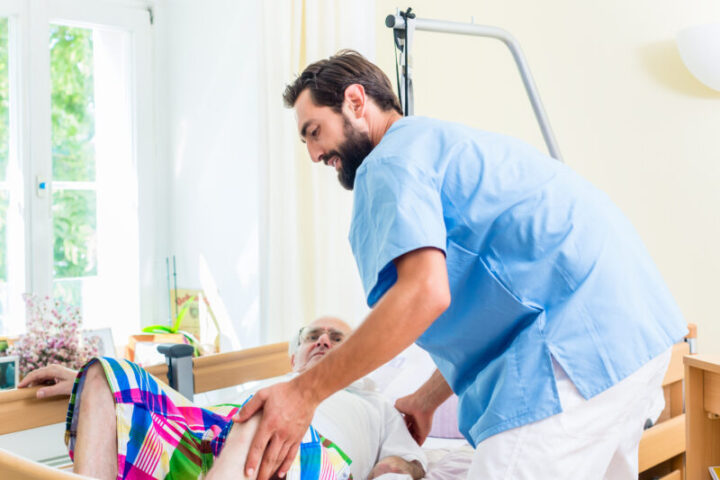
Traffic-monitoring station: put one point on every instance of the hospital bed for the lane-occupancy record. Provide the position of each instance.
(661, 449)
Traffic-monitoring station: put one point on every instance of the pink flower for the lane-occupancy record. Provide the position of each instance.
(53, 335)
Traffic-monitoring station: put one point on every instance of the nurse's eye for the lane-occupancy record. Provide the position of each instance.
(314, 134)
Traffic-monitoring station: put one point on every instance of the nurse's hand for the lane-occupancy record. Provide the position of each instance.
(61, 380)
(287, 413)
(418, 415)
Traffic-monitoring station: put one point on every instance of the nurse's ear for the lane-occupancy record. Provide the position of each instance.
(355, 100)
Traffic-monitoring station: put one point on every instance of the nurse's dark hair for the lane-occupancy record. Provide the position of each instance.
(327, 80)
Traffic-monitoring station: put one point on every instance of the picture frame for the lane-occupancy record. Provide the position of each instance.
(106, 348)
(9, 372)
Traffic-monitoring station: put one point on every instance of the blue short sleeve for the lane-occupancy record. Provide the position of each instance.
(397, 209)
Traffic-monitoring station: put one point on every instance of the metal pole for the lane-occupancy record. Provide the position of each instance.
(180, 367)
(397, 22)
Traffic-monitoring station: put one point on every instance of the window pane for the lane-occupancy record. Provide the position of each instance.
(74, 220)
(4, 99)
(69, 290)
(73, 109)
(4, 153)
(3, 237)
(74, 205)
(94, 204)
(3, 260)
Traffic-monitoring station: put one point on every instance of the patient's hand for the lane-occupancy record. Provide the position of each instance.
(62, 380)
(397, 465)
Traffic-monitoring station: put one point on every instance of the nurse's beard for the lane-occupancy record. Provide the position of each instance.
(352, 152)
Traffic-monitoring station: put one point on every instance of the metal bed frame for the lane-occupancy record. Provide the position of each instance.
(405, 24)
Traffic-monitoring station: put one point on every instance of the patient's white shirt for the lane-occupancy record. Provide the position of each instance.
(367, 427)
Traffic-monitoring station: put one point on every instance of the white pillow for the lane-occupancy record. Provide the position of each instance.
(406, 373)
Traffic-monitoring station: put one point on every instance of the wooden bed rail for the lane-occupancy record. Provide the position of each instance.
(15, 467)
(21, 410)
(235, 368)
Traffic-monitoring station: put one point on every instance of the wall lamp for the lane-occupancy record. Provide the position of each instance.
(699, 48)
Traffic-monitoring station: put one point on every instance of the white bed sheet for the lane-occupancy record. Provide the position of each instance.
(448, 459)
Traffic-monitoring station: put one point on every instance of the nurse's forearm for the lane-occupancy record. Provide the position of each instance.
(433, 392)
(419, 296)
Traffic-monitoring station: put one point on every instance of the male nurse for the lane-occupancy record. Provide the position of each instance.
(533, 294)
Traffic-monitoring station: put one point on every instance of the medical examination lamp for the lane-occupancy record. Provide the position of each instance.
(404, 25)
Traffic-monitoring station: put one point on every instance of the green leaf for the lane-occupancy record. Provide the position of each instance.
(157, 329)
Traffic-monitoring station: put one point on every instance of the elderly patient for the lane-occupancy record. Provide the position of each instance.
(122, 422)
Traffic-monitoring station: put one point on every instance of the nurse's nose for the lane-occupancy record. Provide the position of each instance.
(316, 153)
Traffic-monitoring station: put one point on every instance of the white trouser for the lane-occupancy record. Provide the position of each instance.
(590, 439)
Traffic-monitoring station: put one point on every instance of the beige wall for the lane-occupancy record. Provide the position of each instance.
(626, 113)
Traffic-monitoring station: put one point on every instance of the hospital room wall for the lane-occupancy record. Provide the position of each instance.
(245, 202)
(626, 113)
(207, 117)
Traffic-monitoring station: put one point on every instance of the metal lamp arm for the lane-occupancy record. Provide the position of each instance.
(398, 22)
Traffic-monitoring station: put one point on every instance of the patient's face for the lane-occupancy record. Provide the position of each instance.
(317, 339)
(331, 138)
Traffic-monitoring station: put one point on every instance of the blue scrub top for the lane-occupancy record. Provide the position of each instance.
(541, 264)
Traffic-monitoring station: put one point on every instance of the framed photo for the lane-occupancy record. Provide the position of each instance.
(106, 348)
(9, 372)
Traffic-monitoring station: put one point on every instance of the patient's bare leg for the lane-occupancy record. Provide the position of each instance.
(96, 443)
(231, 462)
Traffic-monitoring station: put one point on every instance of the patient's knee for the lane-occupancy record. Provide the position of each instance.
(244, 432)
(95, 389)
(95, 376)
(231, 463)
(95, 405)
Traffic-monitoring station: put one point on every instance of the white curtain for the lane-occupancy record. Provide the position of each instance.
(307, 268)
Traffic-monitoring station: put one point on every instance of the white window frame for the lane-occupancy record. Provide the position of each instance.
(18, 261)
(30, 111)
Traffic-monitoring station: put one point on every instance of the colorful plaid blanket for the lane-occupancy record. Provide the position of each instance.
(162, 435)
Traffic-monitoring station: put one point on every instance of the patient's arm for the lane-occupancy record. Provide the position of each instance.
(230, 463)
(397, 465)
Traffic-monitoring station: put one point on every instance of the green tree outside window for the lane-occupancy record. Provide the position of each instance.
(4, 143)
(73, 151)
